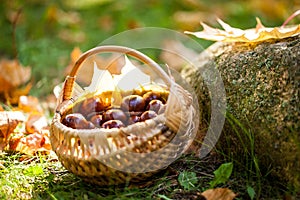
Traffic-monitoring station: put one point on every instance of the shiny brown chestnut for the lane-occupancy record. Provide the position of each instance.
(95, 104)
(113, 124)
(77, 121)
(133, 119)
(155, 105)
(97, 120)
(149, 114)
(134, 103)
(116, 114)
(151, 95)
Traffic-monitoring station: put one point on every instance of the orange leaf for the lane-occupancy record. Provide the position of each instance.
(33, 143)
(29, 104)
(8, 122)
(231, 34)
(36, 122)
(14, 94)
(219, 194)
(12, 74)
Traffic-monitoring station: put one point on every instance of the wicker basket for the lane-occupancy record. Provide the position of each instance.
(132, 153)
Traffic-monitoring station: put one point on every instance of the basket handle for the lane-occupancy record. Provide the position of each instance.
(69, 82)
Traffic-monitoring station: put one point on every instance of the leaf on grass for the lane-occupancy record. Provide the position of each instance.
(231, 34)
(14, 94)
(8, 122)
(36, 123)
(222, 174)
(33, 170)
(33, 143)
(188, 180)
(251, 192)
(12, 74)
(29, 104)
(218, 194)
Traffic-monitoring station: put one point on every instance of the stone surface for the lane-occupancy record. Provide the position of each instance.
(262, 84)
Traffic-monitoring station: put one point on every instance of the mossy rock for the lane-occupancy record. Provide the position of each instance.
(262, 82)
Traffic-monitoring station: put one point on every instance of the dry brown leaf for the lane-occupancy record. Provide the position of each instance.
(219, 194)
(8, 122)
(29, 104)
(12, 97)
(36, 123)
(12, 74)
(32, 143)
(231, 34)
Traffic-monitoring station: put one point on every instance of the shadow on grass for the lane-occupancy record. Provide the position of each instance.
(60, 184)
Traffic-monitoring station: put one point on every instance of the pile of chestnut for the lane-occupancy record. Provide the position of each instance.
(98, 112)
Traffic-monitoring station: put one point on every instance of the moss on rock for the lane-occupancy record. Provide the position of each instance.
(262, 82)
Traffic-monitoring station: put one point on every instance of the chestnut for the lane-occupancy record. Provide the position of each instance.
(114, 114)
(162, 109)
(133, 119)
(77, 121)
(95, 104)
(151, 95)
(155, 105)
(134, 103)
(149, 114)
(97, 120)
(113, 124)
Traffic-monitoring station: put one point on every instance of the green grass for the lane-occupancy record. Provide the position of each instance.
(41, 178)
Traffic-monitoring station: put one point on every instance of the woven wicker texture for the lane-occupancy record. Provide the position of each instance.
(132, 153)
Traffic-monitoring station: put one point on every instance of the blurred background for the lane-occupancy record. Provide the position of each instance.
(42, 34)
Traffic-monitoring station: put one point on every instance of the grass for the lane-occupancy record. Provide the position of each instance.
(42, 178)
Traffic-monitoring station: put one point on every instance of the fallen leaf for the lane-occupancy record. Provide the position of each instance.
(231, 34)
(12, 97)
(12, 74)
(219, 194)
(14, 141)
(32, 143)
(8, 122)
(36, 122)
(29, 104)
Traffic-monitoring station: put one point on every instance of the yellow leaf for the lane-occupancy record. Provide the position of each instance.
(231, 34)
